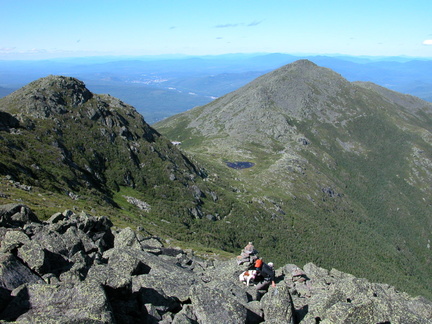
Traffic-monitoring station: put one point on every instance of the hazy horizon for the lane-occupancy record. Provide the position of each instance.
(46, 29)
(110, 58)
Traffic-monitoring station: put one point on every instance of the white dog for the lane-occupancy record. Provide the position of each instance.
(247, 276)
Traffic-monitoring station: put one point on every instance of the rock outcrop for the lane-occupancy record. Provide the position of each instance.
(86, 146)
(76, 268)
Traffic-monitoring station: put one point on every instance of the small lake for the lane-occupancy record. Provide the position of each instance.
(240, 165)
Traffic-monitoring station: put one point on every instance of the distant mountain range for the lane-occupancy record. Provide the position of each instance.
(159, 86)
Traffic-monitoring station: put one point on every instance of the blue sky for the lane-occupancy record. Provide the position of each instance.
(35, 29)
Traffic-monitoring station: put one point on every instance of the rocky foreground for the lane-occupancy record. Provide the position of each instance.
(76, 268)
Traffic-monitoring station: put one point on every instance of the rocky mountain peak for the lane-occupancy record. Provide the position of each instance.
(49, 96)
(260, 111)
(298, 72)
(95, 143)
(301, 65)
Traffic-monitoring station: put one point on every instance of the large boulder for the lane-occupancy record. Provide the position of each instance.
(81, 303)
(185, 316)
(215, 306)
(13, 273)
(337, 297)
(277, 305)
(12, 240)
(16, 215)
(172, 285)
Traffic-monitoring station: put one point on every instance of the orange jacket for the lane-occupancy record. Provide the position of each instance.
(258, 263)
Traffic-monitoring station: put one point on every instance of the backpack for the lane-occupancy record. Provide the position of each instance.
(267, 273)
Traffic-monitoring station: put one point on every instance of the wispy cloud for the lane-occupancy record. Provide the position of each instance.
(227, 25)
(14, 50)
(4, 50)
(254, 23)
(427, 42)
(251, 24)
(35, 51)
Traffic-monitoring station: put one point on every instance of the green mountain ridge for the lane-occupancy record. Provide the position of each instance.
(343, 166)
(340, 174)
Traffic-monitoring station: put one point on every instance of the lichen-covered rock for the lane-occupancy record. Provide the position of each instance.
(337, 297)
(185, 316)
(55, 218)
(107, 276)
(93, 232)
(13, 273)
(62, 303)
(36, 258)
(16, 215)
(130, 262)
(277, 305)
(127, 238)
(152, 245)
(214, 306)
(75, 269)
(13, 240)
(314, 271)
(58, 243)
(171, 285)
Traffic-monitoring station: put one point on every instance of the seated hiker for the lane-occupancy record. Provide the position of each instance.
(268, 277)
(257, 265)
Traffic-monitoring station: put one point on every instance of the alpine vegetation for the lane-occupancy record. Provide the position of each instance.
(319, 172)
